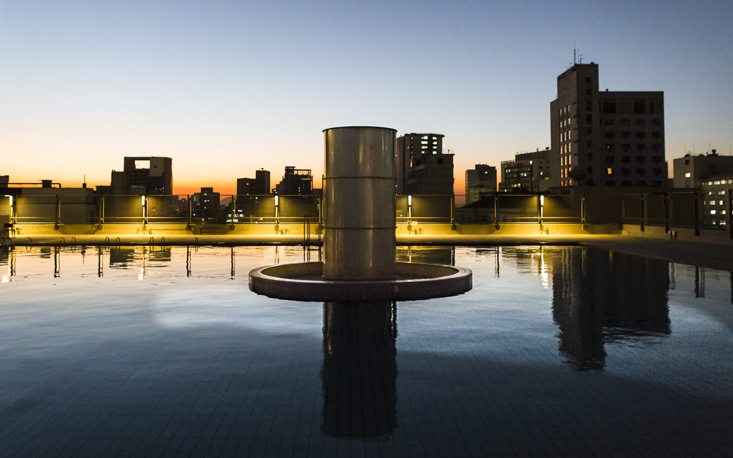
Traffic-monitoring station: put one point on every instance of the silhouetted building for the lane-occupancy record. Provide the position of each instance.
(421, 166)
(260, 185)
(527, 173)
(480, 181)
(605, 138)
(717, 192)
(150, 176)
(295, 182)
(690, 171)
(205, 204)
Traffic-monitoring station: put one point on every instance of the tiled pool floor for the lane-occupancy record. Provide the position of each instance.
(555, 352)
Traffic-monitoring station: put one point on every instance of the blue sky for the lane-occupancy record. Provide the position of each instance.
(226, 87)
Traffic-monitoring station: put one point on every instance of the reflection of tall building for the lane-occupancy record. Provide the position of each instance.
(601, 298)
(359, 373)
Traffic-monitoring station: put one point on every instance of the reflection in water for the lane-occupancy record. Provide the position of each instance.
(600, 297)
(359, 373)
(427, 255)
(699, 282)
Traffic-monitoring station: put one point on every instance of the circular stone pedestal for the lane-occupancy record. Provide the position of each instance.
(305, 282)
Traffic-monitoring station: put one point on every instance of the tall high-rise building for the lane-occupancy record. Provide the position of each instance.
(421, 166)
(605, 138)
(151, 175)
(480, 180)
(260, 185)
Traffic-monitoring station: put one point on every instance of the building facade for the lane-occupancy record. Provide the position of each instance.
(152, 176)
(421, 167)
(717, 194)
(527, 173)
(480, 181)
(258, 186)
(691, 171)
(605, 138)
(295, 182)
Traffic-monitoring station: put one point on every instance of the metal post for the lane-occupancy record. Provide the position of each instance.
(496, 210)
(623, 212)
(452, 211)
(667, 212)
(582, 212)
(642, 210)
(190, 210)
(696, 197)
(101, 211)
(57, 220)
(358, 200)
(729, 218)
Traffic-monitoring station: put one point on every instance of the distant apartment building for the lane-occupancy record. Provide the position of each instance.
(260, 185)
(205, 204)
(480, 181)
(295, 182)
(717, 194)
(527, 173)
(421, 166)
(690, 171)
(605, 138)
(151, 176)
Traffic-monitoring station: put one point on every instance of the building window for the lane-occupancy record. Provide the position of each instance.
(610, 159)
(609, 171)
(625, 122)
(588, 105)
(640, 159)
(589, 119)
(639, 106)
(587, 79)
(640, 122)
(656, 122)
(687, 175)
(640, 135)
(609, 106)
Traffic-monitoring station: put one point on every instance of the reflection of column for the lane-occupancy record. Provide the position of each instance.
(100, 265)
(359, 374)
(56, 262)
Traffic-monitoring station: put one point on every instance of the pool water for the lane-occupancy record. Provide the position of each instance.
(557, 351)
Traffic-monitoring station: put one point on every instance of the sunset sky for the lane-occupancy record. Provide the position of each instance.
(227, 87)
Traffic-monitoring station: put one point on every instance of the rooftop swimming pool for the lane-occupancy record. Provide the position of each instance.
(556, 351)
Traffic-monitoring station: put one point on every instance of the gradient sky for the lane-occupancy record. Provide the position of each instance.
(226, 87)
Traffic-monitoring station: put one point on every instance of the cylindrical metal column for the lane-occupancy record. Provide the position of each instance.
(359, 203)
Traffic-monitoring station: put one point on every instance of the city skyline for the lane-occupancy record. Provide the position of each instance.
(225, 89)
